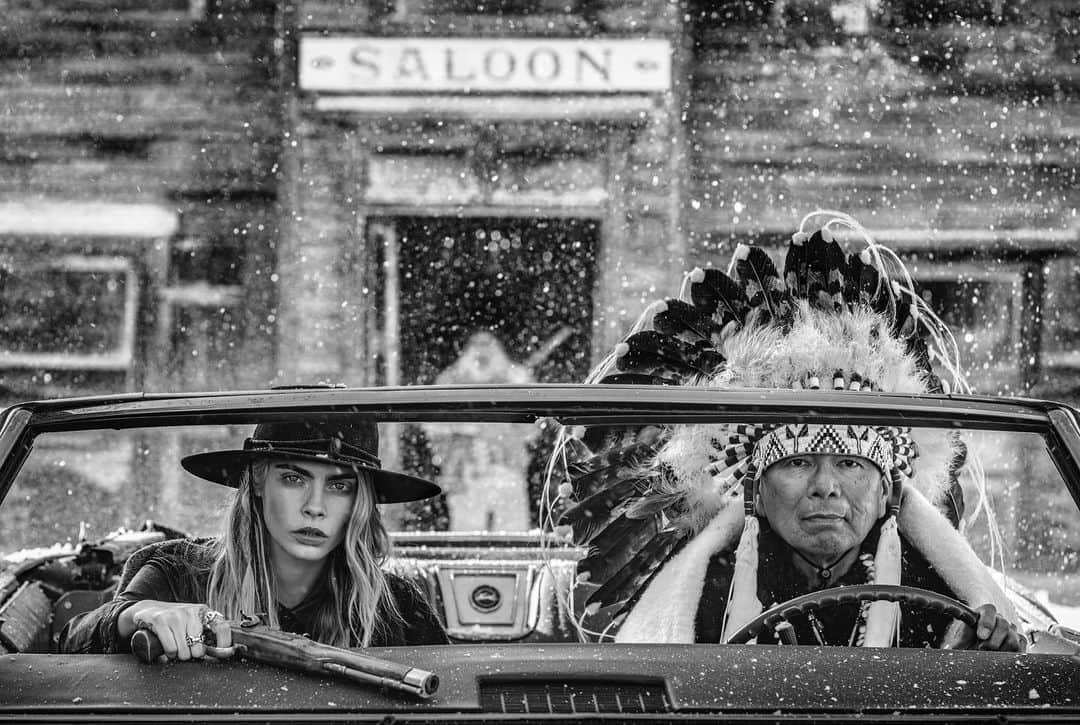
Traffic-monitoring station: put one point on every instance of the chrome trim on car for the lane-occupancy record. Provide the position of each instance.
(513, 616)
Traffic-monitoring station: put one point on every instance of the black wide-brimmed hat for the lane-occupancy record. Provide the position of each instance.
(345, 441)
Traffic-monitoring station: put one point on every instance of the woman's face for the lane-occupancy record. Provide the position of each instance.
(823, 505)
(307, 506)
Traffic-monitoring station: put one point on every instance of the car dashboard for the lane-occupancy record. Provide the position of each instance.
(484, 683)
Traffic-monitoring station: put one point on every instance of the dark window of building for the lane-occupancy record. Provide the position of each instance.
(199, 315)
(70, 311)
(939, 12)
(209, 261)
(1061, 317)
(69, 318)
(522, 280)
(982, 308)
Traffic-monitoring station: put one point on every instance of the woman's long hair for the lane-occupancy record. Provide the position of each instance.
(358, 607)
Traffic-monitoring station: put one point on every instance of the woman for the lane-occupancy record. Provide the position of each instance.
(303, 546)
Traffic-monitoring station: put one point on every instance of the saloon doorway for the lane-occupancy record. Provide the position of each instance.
(526, 281)
(482, 300)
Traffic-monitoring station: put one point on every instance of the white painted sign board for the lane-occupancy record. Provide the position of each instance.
(483, 65)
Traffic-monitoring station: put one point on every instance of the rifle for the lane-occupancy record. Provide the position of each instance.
(252, 639)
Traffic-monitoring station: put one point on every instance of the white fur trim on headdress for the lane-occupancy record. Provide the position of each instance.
(743, 603)
(950, 554)
(817, 343)
(882, 617)
(667, 610)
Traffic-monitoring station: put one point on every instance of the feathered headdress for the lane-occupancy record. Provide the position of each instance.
(653, 504)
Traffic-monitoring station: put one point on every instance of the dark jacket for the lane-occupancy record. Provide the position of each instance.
(779, 581)
(179, 571)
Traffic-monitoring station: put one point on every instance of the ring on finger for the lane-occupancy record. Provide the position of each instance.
(197, 639)
(210, 616)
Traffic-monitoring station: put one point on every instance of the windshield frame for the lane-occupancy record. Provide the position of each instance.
(579, 404)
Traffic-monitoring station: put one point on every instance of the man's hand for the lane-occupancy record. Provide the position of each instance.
(991, 632)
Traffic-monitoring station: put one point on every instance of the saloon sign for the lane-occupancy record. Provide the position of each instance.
(475, 65)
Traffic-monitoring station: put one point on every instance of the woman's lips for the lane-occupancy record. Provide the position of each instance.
(309, 536)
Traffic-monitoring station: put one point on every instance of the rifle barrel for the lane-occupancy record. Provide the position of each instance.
(418, 682)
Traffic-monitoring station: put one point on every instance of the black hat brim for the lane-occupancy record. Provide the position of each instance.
(226, 467)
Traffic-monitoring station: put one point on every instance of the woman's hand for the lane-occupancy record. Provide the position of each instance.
(179, 627)
(991, 632)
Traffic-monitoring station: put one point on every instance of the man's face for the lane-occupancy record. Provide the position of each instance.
(823, 505)
(306, 506)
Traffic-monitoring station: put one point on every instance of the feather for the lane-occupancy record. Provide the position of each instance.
(652, 353)
(718, 297)
(594, 512)
(654, 504)
(866, 287)
(684, 322)
(604, 485)
(612, 438)
(795, 265)
(588, 482)
(760, 282)
(614, 546)
(825, 273)
(632, 577)
(917, 348)
(815, 270)
(953, 503)
(906, 321)
(621, 450)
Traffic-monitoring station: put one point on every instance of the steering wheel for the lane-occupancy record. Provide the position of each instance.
(836, 596)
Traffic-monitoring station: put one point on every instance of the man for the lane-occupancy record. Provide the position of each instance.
(824, 513)
(676, 558)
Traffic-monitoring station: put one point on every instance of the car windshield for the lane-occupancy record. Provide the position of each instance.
(77, 487)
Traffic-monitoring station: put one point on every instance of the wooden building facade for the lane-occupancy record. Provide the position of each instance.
(213, 194)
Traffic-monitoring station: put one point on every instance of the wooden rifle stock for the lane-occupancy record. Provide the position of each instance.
(297, 652)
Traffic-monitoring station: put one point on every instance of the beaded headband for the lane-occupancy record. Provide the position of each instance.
(886, 448)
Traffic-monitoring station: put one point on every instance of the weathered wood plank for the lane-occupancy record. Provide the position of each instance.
(780, 216)
(136, 110)
(36, 34)
(163, 167)
(1033, 60)
(114, 6)
(929, 150)
(975, 201)
(171, 67)
(124, 7)
(357, 15)
(77, 44)
(950, 129)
